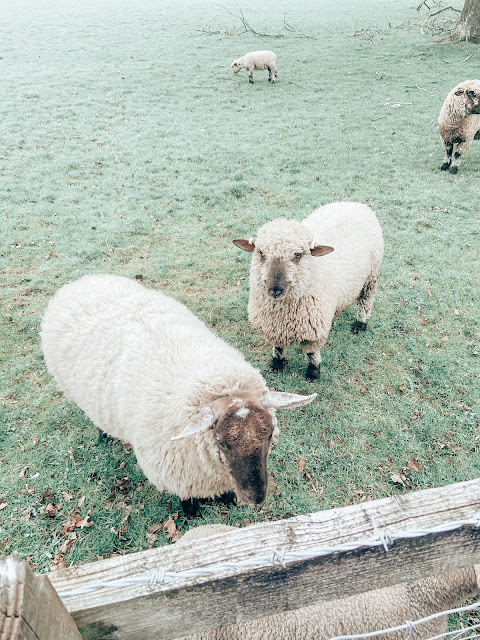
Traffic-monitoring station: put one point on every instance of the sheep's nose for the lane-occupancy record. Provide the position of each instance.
(275, 291)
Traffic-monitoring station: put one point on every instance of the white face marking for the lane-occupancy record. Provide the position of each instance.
(242, 413)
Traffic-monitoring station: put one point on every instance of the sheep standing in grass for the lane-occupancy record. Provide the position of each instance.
(362, 613)
(295, 294)
(146, 370)
(257, 60)
(459, 122)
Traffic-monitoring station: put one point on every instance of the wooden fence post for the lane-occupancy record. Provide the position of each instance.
(30, 608)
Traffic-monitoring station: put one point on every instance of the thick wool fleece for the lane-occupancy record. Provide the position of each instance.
(363, 613)
(320, 286)
(140, 365)
(257, 60)
(455, 120)
(456, 123)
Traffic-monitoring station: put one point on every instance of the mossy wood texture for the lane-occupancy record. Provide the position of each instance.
(187, 605)
(30, 608)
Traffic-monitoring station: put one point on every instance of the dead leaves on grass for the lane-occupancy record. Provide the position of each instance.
(401, 477)
(313, 482)
(170, 527)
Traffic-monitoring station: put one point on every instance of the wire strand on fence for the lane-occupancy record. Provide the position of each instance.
(161, 576)
(411, 625)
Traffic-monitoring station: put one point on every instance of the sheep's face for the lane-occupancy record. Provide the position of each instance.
(467, 98)
(282, 259)
(237, 65)
(244, 434)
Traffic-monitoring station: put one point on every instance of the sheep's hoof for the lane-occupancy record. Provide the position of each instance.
(250, 81)
(445, 166)
(191, 507)
(313, 372)
(358, 326)
(453, 170)
(104, 437)
(228, 498)
(277, 364)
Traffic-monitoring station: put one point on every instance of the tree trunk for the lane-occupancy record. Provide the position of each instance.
(468, 27)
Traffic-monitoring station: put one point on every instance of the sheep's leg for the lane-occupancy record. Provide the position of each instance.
(274, 74)
(278, 361)
(191, 507)
(448, 156)
(312, 353)
(269, 74)
(365, 302)
(250, 75)
(457, 156)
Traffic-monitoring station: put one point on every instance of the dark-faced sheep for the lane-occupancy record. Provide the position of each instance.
(146, 370)
(459, 122)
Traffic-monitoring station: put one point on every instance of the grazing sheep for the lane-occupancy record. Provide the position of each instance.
(294, 296)
(362, 613)
(257, 60)
(146, 370)
(459, 122)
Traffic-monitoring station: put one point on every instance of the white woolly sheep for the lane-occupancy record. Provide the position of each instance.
(293, 295)
(257, 60)
(362, 613)
(146, 370)
(459, 122)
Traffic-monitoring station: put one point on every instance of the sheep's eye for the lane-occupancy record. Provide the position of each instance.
(471, 94)
(262, 255)
(297, 257)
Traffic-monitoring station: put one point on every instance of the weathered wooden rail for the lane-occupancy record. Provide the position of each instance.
(223, 589)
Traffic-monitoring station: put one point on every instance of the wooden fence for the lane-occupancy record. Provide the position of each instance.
(226, 579)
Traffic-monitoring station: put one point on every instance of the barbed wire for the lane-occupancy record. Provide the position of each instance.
(383, 537)
(410, 626)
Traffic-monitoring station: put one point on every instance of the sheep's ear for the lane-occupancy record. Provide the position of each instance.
(203, 420)
(246, 245)
(459, 92)
(281, 400)
(320, 250)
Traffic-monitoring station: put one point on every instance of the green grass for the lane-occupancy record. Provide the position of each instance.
(129, 147)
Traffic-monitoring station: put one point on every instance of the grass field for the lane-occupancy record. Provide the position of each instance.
(129, 147)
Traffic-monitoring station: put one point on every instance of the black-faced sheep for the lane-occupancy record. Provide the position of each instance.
(257, 60)
(459, 122)
(146, 370)
(295, 293)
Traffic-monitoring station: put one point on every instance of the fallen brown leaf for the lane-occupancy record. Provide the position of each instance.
(23, 471)
(50, 510)
(58, 563)
(170, 526)
(301, 464)
(400, 478)
(413, 465)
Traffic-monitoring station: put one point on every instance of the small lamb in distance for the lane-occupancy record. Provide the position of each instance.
(295, 294)
(200, 418)
(459, 122)
(257, 60)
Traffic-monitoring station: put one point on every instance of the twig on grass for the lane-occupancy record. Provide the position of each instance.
(415, 86)
(289, 27)
(298, 85)
(248, 27)
(443, 9)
